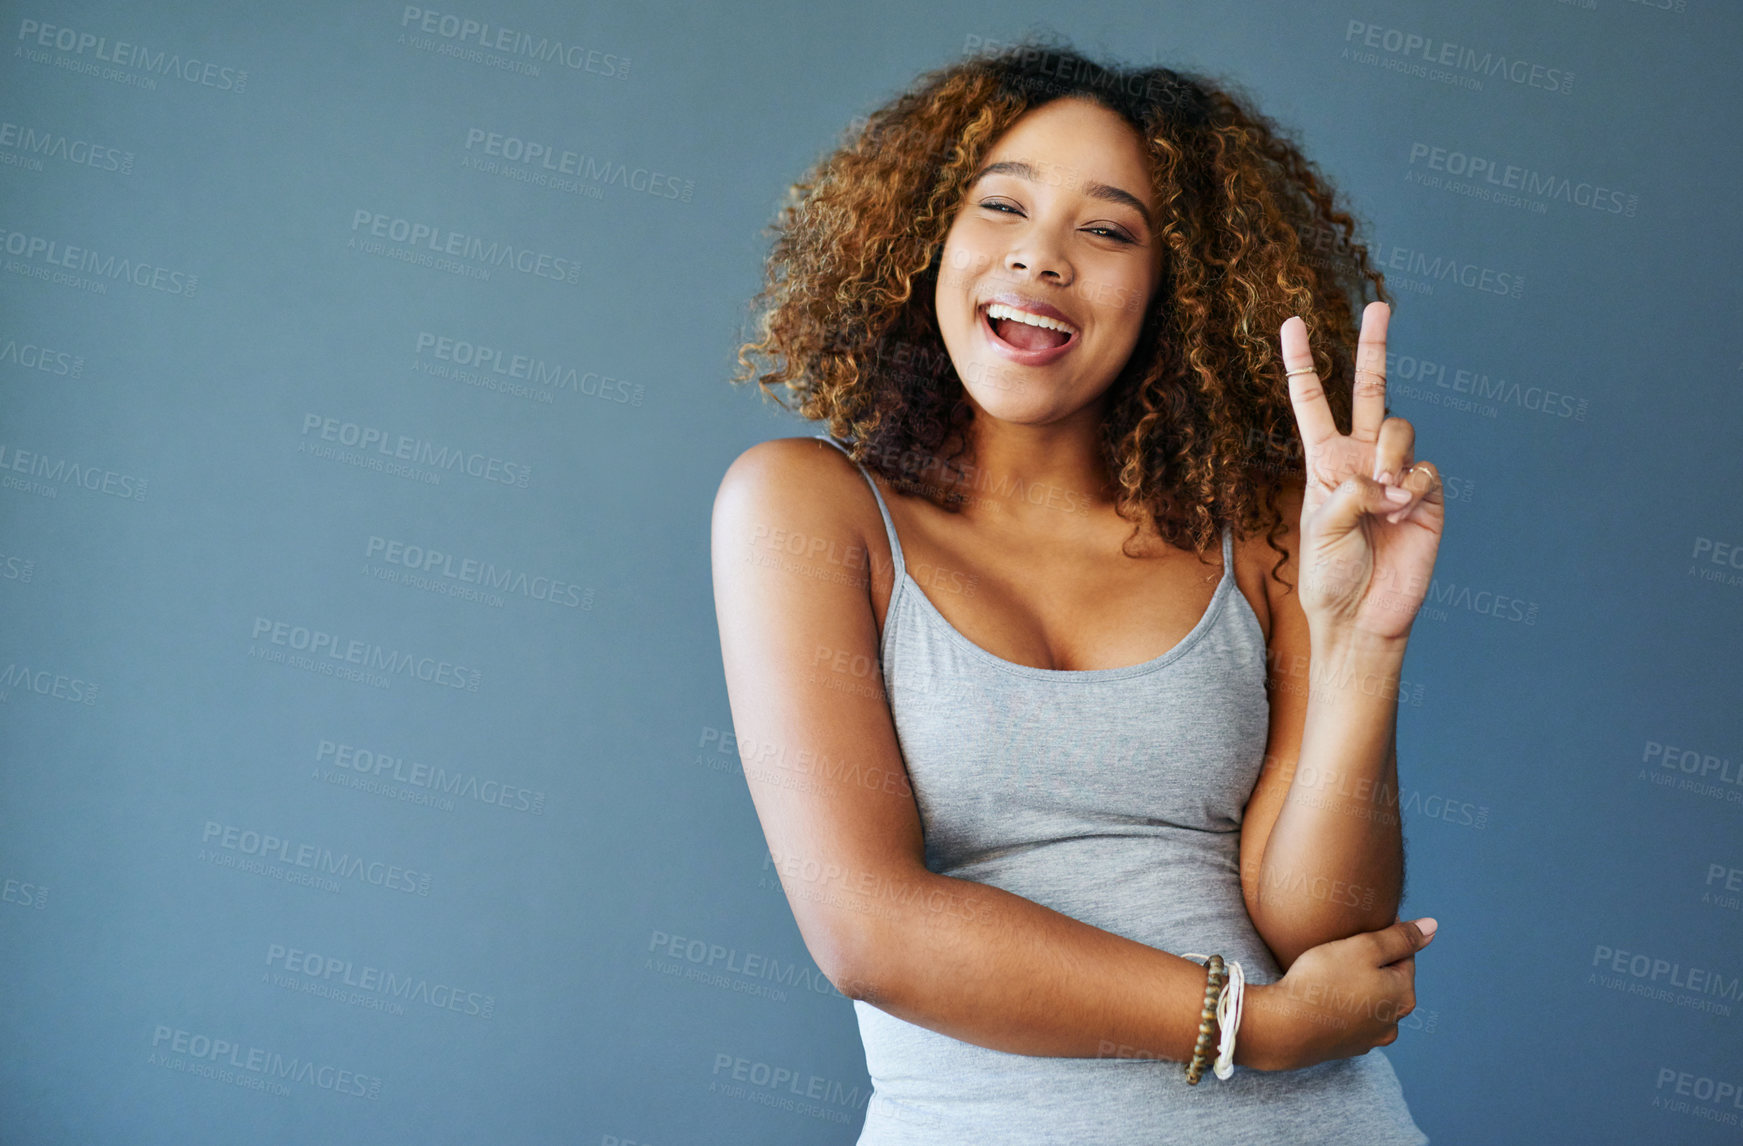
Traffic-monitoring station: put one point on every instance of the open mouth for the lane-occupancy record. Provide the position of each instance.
(1026, 332)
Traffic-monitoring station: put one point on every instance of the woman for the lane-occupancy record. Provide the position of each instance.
(1031, 299)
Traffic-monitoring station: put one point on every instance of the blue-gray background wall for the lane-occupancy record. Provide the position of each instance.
(367, 772)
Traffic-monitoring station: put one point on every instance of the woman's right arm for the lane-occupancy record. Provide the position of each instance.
(799, 641)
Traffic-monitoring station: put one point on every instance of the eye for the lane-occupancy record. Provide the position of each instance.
(1113, 234)
(1105, 231)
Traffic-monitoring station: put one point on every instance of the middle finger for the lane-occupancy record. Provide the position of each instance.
(1368, 401)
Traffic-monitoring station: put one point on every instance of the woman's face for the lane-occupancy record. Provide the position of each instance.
(1058, 222)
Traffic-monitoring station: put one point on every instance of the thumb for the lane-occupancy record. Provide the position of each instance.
(1357, 495)
(1405, 938)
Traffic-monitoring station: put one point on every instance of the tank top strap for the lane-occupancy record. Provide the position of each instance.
(896, 544)
(883, 510)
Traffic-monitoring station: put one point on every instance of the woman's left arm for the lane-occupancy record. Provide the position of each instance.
(1322, 854)
(1322, 849)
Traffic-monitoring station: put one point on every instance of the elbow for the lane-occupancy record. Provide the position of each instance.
(862, 961)
(872, 948)
(1288, 935)
(853, 986)
(867, 946)
(854, 971)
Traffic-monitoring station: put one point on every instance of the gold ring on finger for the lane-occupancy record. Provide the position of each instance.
(1302, 370)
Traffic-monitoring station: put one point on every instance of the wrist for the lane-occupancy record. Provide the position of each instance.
(1342, 641)
(1262, 1042)
(1347, 662)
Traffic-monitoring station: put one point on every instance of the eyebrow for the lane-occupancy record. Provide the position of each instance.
(1095, 190)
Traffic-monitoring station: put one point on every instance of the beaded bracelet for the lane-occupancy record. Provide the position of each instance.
(1225, 1007)
(1207, 1019)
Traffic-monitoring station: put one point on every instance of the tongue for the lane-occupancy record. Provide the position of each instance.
(1026, 337)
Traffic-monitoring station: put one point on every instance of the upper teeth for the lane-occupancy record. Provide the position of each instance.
(1000, 310)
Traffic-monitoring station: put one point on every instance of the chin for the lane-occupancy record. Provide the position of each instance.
(1026, 404)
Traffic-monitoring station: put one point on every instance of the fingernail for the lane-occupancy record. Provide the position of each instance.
(1427, 925)
(1397, 493)
(1384, 477)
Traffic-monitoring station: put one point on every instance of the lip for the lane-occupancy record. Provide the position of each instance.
(1012, 353)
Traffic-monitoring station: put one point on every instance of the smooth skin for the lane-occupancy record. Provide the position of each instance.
(803, 579)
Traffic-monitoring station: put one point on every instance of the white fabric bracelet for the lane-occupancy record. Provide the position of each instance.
(1228, 1014)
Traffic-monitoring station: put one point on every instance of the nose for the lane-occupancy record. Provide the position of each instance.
(1038, 254)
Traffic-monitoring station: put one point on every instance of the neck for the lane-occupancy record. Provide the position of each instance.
(1023, 473)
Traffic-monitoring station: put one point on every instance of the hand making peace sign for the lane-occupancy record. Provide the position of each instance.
(1367, 557)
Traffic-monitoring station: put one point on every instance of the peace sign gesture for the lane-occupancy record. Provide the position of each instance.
(1371, 519)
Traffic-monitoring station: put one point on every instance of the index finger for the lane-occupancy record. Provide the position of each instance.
(1306, 395)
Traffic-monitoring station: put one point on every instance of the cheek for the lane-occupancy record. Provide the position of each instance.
(957, 287)
(966, 257)
(1125, 306)
(950, 278)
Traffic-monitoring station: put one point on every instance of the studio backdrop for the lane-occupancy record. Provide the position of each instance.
(366, 768)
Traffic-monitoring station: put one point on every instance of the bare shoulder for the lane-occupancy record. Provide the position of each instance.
(797, 510)
(791, 482)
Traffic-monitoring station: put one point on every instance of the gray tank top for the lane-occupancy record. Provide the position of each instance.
(1113, 796)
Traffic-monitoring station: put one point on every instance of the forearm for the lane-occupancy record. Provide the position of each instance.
(991, 968)
(1333, 862)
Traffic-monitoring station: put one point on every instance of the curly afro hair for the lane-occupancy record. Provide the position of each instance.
(1198, 429)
